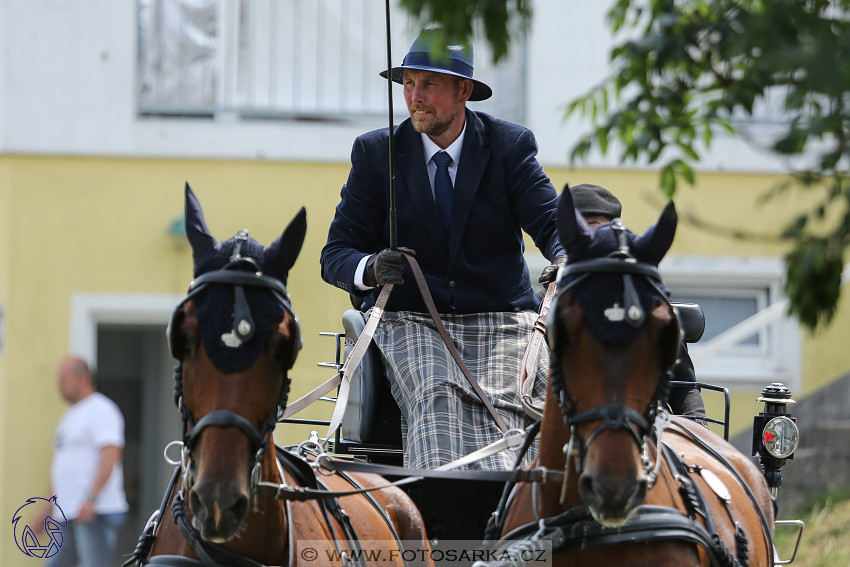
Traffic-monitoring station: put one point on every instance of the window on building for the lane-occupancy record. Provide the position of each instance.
(731, 290)
(287, 59)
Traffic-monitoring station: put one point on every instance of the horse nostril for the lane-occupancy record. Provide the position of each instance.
(217, 516)
(199, 510)
(239, 509)
(586, 489)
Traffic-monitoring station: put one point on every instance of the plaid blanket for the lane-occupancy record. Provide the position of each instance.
(442, 417)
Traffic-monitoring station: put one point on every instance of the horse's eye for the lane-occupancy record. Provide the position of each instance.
(186, 342)
(279, 348)
(185, 345)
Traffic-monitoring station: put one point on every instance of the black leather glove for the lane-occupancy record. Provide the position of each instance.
(550, 272)
(387, 266)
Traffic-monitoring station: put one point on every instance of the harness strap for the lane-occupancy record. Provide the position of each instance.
(350, 534)
(174, 561)
(537, 475)
(203, 547)
(304, 475)
(511, 440)
(766, 529)
(224, 418)
(438, 323)
(343, 377)
(378, 508)
(148, 535)
(529, 359)
(576, 530)
(353, 360)
(287, 493)
(497, 519)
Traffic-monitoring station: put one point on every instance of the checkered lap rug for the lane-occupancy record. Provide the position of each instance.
(442, 417)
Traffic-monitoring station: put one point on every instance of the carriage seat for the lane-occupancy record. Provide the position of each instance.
(691, 319)
(372, 415)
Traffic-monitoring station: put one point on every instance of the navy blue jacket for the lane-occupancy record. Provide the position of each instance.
(500, 190)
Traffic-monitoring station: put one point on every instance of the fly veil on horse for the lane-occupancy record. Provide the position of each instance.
(639, 487)
(240, 500)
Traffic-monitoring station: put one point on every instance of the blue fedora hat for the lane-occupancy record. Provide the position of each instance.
(430, 52)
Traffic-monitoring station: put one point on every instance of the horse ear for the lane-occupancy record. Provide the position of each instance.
(656, 241)
(283, 252)
(203, 244)
(573, 231)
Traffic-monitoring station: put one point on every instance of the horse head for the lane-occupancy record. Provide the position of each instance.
(235, 337)
(613, 339)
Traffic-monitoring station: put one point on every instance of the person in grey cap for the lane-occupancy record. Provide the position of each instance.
(596, 204)
(599, 206)
(467, 186)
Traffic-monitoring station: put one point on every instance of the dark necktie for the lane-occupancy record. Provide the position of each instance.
(443, 189)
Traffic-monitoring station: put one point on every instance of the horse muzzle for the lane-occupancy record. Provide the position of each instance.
(217, 511)
(612, 501)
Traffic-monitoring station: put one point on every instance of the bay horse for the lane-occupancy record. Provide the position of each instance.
(236, 498)
(638, 487)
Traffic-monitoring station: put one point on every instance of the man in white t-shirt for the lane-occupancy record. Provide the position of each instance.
(86, 475)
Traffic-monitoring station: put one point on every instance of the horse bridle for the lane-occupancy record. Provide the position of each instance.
(613, 416)
(238, 272)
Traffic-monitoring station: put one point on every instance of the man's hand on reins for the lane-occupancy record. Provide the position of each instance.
(550, 272)
(387, 266)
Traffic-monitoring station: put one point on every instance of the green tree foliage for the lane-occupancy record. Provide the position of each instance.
(499, 19)
(684, 69)
(691, 67)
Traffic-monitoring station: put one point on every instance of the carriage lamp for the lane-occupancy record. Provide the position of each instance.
(775, 434)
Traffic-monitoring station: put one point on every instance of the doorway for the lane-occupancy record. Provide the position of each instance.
(135, 370)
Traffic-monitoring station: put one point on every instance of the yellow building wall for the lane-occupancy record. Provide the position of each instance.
(101, 225)
(5, 271)
(70, 225)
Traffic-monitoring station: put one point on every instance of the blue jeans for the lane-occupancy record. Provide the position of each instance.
(91, 544)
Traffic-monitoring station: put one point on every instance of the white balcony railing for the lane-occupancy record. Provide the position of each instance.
(286, 59)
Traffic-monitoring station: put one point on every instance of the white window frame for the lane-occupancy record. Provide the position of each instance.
(777, 358)
(761, 296)
(88, 310)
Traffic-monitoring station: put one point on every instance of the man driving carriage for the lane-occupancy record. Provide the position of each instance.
(464, 220)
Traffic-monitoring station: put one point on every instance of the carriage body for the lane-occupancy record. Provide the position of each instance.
(371, 413)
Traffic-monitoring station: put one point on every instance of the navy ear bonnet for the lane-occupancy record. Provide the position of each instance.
(613, 303)
(239, 289)
(220, 256)
(602, 295)
(215, 306)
